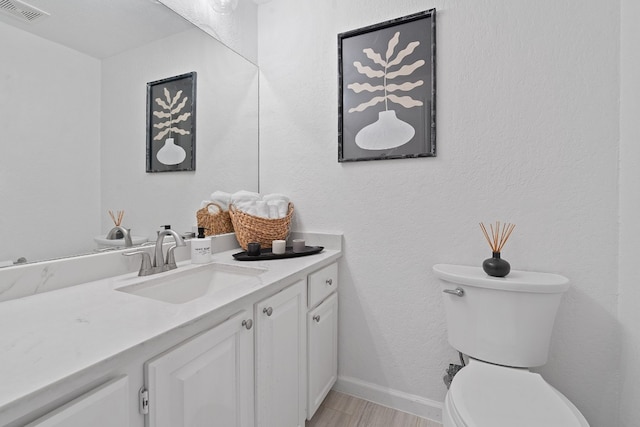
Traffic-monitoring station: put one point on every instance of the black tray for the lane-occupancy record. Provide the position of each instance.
(266, 254)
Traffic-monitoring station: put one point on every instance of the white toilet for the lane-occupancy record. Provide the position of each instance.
(504, 326)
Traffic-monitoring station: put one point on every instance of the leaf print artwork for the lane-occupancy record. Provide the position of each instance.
(170, 107)
(170, 153)
(388, 131)
(171, 124)
(387, 89)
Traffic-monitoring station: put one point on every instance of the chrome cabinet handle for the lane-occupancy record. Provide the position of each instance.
(329, 282)
(268, 311)
(317, 318)
(459, 292)
(247, 323)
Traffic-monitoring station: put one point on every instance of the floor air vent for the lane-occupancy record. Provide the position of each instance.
(21, 10)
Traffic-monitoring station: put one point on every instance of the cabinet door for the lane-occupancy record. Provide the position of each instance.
(205, 381)
(322, 352)
(280, 358)
(105, 406)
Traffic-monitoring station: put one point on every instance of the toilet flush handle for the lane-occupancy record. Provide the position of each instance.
(459, 292)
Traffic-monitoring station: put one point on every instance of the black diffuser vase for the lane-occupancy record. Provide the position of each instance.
(496, 266)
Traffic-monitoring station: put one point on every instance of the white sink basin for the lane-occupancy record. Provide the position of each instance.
(181, 286)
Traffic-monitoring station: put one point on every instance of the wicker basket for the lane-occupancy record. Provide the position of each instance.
(214, 223)
(250, 228)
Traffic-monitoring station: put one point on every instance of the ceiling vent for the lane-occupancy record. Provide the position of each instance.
(21, 10)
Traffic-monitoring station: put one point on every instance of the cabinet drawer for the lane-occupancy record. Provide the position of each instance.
(321, 284)
(104, 406)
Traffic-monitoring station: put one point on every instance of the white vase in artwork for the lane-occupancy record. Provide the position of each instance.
(170, 153)
(385, 133)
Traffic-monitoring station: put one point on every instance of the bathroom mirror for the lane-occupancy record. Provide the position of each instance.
(73, 87)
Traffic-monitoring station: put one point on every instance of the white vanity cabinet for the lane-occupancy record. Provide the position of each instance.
(259, 354)
(322, 335)
(207, 380)
(105, 406)
(280, 358)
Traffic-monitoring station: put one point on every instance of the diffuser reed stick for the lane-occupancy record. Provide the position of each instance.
(498, 236)
(117, 219)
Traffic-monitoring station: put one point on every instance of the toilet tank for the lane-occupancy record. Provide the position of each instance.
(502, 320)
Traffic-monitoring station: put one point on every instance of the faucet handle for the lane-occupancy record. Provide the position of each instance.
(145, 267)
(171, 258)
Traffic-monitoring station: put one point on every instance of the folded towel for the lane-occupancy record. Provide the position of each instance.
(213, 209)
(274, 197)
(243, 196)
(278, 208)
(245, 206)
(273, 206)
(273, 210)
(261, 209)
(221, 198)
(250, 209)
(283, 208)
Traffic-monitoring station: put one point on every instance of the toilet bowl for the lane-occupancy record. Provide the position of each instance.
(504, 326)
(486, 395)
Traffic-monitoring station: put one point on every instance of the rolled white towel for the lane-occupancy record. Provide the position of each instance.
(274, 197)
(250, 209)
(278, 208)
(283, 208)
(221, 198)
(245, 201)
(246, 206)
(212, 209)
(268, 206)
(273, 210)
(243, 195)
(262, 210)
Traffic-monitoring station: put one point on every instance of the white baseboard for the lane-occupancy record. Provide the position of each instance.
(399, 400)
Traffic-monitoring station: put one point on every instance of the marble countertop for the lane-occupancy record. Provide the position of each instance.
(50, 336)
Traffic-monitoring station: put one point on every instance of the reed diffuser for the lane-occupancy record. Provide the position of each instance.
(117, 220)
(497, 238)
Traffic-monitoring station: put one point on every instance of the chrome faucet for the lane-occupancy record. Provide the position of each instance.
(159, 263)
(159, 260)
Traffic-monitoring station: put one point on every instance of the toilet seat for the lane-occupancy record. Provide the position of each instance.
(486, 395)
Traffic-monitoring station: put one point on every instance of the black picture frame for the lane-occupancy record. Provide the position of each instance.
(387, 90)
(171, 114)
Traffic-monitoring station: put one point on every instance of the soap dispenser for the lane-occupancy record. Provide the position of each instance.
(201, 248)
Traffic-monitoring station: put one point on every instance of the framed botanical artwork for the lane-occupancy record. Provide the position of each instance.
(171, 124)
(387, 90)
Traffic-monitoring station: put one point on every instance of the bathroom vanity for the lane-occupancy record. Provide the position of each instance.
(129, 351)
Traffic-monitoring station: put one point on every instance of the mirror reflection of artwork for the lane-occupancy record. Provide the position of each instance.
(387, 90)
(171, 124)
(97, 69)
(170, 153)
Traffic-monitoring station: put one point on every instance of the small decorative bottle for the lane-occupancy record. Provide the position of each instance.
(201, 248)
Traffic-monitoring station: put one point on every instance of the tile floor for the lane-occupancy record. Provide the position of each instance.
(342, 410)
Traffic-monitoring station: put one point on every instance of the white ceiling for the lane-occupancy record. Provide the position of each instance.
(101, 28)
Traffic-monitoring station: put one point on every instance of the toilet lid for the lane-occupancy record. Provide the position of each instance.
(485, 395)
